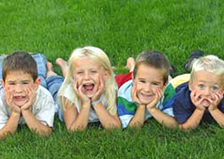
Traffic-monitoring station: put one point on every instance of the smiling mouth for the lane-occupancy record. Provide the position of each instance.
(88, 87)
(19, 98)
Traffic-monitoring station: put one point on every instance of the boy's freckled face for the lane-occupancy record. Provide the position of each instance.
(16, 84)
(206, 84)
(88, 73)
(148, 79)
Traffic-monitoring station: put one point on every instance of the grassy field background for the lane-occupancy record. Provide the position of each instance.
(122, 28)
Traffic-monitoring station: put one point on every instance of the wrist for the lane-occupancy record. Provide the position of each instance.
(96, 102)
(152, 110)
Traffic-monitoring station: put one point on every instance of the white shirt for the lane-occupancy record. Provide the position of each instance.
(43, 108)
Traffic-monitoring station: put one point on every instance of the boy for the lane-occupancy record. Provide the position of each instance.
(142, 97)
(23, 100)
(202, 98)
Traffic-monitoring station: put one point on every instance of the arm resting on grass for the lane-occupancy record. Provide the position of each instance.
(162, 118)
(218, 116)
(193, 121)
(139, 118)
(106, 119)
(11, 125)
(75, 121)
(34, 124)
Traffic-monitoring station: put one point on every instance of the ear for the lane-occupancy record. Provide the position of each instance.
(164, 86)
(3, 83)
(37, 83)
(106, 75)
(190, 85)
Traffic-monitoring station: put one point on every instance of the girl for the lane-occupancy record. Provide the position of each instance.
(88, 93)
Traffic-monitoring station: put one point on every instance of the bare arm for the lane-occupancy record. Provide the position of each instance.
(34, 124)
(75, 121)
(106, 119)
(162, 118)
(139, 118)
(218, 116)
(193, 121)
(11, 125)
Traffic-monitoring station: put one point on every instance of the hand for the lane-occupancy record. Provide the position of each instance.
(78, 89)
(196, 101)
(134, 95)
(32, 96)
(159, 94)
(99, 91)
(215, 100)
(9, 101)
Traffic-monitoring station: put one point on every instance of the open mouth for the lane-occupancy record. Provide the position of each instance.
(88, 87)
(19, 98)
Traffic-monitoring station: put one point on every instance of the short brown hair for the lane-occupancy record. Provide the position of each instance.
(20, 61)
(154, 59)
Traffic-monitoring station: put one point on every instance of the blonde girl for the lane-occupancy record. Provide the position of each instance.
(88, 93)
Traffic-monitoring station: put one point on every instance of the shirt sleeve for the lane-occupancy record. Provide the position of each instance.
(3, 115)
(181, 112)
(46, 111)
(126, 111)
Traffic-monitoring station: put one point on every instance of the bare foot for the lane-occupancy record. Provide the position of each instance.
(63, 65)
(50, 70)
(130, 64)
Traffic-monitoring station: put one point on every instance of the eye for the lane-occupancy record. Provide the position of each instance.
(201, 86)
(155, 83)
(11, 83)
(142, 81)
(93, 71)
(79, 72)
(25, 82)
(215, 88)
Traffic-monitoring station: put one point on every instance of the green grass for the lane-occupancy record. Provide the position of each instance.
(122, 28)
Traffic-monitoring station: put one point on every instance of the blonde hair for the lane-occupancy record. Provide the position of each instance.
(100, 57)
(210, 64)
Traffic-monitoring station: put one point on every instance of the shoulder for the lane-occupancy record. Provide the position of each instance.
(125, 90)
(182, 97)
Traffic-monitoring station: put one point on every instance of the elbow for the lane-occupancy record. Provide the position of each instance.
(46, 132)
(115, 125)
(79, 128)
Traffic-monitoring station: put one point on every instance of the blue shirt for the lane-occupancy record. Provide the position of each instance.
(183, 108)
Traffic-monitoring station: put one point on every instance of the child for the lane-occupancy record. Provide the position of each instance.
(88, 93)
(23, 100)
(201, 100)
(142, 97)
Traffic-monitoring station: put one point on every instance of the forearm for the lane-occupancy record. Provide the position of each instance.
(11, 125)
(139, 118)
(193, 121)
(106, 119)
(35, 124)
(162, 118)
(80, 123)
(218, 116)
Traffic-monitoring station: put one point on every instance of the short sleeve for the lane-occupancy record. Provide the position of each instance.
(126, 111)
(45, 108)
(3, 115)
(181, 112)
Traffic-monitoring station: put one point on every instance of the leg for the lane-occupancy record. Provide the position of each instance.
(63, 66)
(130, 64)
(41, 67)
(54, 83)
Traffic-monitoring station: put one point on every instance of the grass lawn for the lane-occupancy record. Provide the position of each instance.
(122, 28)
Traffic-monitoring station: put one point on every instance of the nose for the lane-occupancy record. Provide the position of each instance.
(207, 92)
(86, 76)
(147, 87)
(18, 88)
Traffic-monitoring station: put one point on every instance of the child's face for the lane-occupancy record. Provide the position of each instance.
(16, 86)
(206, 84)
(147, 81)
(88, 74)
